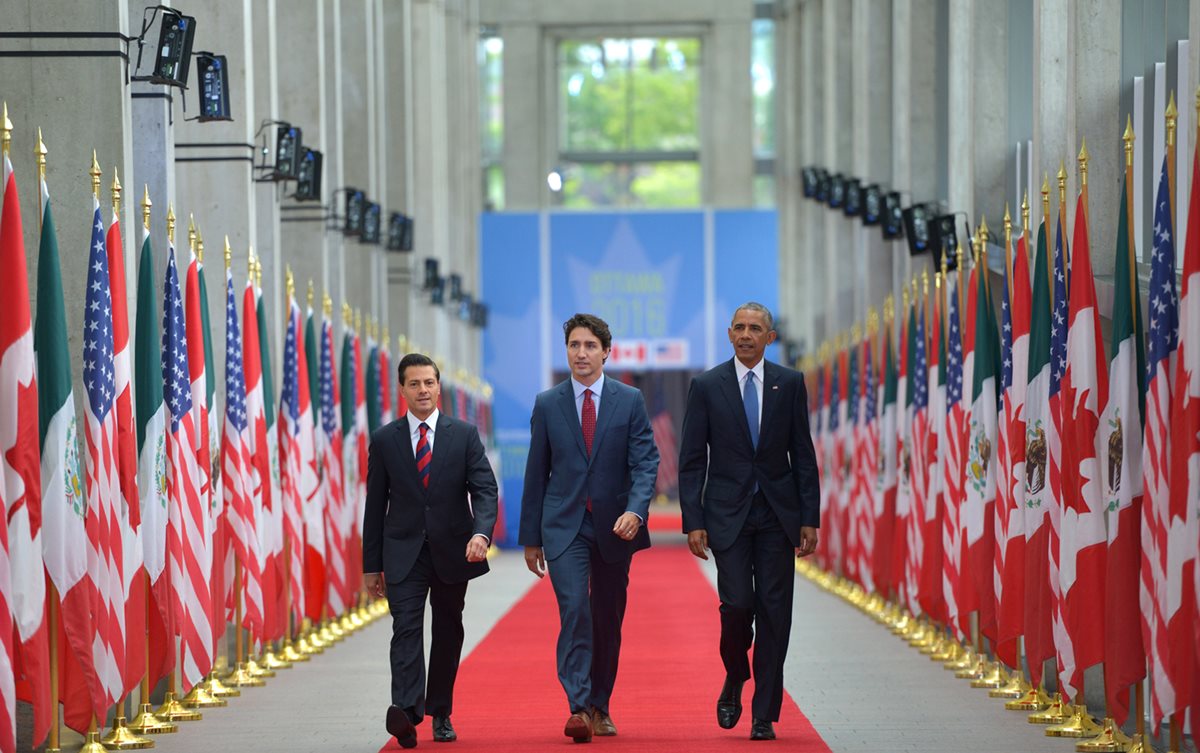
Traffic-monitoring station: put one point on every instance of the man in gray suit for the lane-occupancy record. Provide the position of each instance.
(588, 483)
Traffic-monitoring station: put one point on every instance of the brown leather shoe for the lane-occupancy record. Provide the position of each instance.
(579, 727)
(602, 724)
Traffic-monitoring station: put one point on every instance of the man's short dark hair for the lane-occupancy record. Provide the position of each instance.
(416, 359)
(593, 324)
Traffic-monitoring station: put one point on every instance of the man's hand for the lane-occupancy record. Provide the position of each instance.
(698, 542)
(535, 560)
(374, 584)
(808, 541)
(477, 548)
(627, 526)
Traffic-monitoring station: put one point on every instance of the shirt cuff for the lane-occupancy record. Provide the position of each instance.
(485, 537)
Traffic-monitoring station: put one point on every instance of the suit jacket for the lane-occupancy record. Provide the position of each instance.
(718, 464)
(401, 514)
(560, 476)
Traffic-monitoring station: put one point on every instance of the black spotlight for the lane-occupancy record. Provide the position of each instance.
(287, 152)
(431, 274)
(174, 49)
(370, 223)
(872, 204)
(214, 87)
(308, 181)
(356, 204)
(853, 204)
(837, 191)
(893, 220)
(945, 242)
(916, 228)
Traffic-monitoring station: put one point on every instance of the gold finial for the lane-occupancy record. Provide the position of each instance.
(1083, 162)
(958, 258)
(937, 279)
(945, 265)
(7, 127)
(387, 338)
(191, 232)
(904, 300)
(170, 223)
(291, 283)
(1172, 115)
(146, 204)
(402, 343)
(228, 254)
(1045, 196)
(327, 305)
(1128, 137)
(1025, 213)
(358, 322)
(347, 315)
(250, 263)
(95, 173)
(199, 248)
(258, 272)
(855, 332)
(1007, 224)
(1198, 106)
(116, 192)
(983, 230)
(39, 154)
(1062, 182)
(889, 308)
(925, 282)
(310, 293)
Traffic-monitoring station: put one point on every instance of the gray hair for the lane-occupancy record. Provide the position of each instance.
(755, 306)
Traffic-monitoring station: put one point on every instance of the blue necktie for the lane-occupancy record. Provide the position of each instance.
(750, 403)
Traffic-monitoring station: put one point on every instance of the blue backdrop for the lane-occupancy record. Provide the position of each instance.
(666, 282)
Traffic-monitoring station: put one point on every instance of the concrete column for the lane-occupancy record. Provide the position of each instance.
(812, 144)
(1097, 95)
(789, 161)
(872, 154)
(67, 97)
(301, 101)
(267, 234)
(1054, 142)
(993, 148)
(397, 151)
(960, 143)
(838, 109)
(524, 176)
(729, 153)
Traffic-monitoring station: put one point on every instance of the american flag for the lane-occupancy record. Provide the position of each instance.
(918, 376)
(290, 463)
(935, 412)
(847, 408)
(1059, 322)
(853, 442)
(103, 485)
(237, 469)
(868, 463)
(952, 469)
(1158, 574)
(336, 520)
(187, 516)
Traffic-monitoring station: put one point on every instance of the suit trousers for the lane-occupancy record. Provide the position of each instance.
(591, 596)
(755, 583)
(406, 600)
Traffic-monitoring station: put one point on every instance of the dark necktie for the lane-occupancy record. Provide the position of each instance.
(750, 403)
(424, 455)
(588, 419)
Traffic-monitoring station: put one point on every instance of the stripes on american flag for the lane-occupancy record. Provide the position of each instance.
(237, 469)
(186, 518)
(290, 463)
(104, 527)
(953, 477)
(337, 522)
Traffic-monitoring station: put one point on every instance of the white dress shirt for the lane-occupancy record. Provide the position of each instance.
(596, 387)
(742, 371)
(414, 430)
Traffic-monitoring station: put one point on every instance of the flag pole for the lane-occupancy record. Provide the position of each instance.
(1062, 212)
(1008, 257)
(1046, 229)
(1172, 115)
(171, 709)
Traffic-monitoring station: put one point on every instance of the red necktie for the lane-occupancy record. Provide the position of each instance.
(588, 419)
(423, 455)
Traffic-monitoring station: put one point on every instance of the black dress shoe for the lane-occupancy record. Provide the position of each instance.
(761, 729)
(729, 704)
(401, 727)
(443, 730)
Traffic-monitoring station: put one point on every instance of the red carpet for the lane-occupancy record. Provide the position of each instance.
(507, 697)
(668, 520)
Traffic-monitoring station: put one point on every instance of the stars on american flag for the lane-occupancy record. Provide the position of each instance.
(177, 388)
(954, 355)
(290, 395)
(329, 413)
(920, 369)
(98, 327)
(1164, 316)
(1058, 330)
(235, 381)
(1006, 343)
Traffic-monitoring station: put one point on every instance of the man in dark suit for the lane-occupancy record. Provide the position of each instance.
(748, 490)
(430, 511)
(588, 482)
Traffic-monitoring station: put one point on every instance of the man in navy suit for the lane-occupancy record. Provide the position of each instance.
(588, 483)
(430, 511)
(748, 490)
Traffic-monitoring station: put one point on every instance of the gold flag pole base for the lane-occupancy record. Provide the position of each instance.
(1056, 713)
(936, 644)
(975, 671)
(900, 621)
(335, 628)
(1035, 699)
(1139, 744)
(146, 723)
(257, 670)
(1016, 688)
(272, 662)
(218, 689)
(993, 678)
(951, 652)
(379, 608)
(966, 659)
(240, 677)
(1111, 740)
(200, 698)
(121, 738)
(290, 654)
(326, 634)
(172, 710)
(356, 618)
(92, 744)
(1079, 723)
(309, 644)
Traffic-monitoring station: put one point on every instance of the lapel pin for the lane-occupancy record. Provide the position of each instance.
(774, 386)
